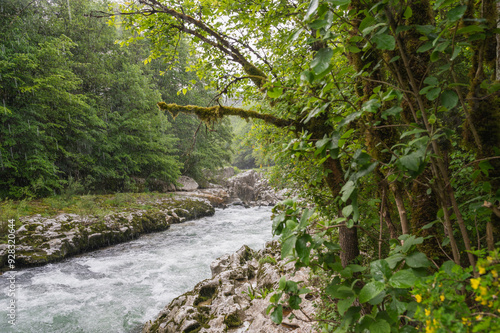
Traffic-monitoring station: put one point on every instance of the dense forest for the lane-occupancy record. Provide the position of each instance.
(78, 110)
(383, 116)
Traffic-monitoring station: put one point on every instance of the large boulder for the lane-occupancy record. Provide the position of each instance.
(186, 184)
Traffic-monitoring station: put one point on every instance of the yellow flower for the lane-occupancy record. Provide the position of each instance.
(475, 283)
(442, 298)
(484, 290)
(464, 320)
(484, 302)
(494, 273)
(478, 298)
(418, 298)
(481, 269)
(490, 304)
(427, 312)
(479, 317)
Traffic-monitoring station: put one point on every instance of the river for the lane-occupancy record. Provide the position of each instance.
(119, 288)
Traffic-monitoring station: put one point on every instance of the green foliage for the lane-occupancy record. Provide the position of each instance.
(459, 302)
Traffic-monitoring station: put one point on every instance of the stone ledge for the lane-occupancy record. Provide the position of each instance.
(41, 240)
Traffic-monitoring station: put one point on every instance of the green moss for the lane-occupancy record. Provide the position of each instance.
(267, 259)
(233, 320)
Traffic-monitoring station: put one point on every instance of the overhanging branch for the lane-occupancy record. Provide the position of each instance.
(211, 114)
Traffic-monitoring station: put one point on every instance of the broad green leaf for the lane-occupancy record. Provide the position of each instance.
(347, 190)
(370, 291)
(394, 260)
(287, 246)
(384, 42)
(433, 93)
(371, 105)
(346, 211)
(403, 279)
(349, 118)
(380, 326)
(304, 219)
(469, 29)
(408, 13)
(302, 249)
(343, 305)
(417, 259)
(321, 61)
(391, 112)
(380, 270)
(456, 13)
(431, 80)
(411, 161)
(449, 99)
(426, 47)
(294, 302)
(277, 314)
(275, 92)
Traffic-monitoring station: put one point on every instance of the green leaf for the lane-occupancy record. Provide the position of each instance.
(433, 93)
(294, 302)
(343, 305)
(394, 260)
(370, 291)
(321, 61)
(302, 249)
(347, 190)
(371, 105)
(449, 99)
(408, 13)
(426, 47)
(346, 211)
(395, 110)
(275, 92)
(287, 246)
(313, 6)
(411, 162)
(339, 2)
(417, 259)
(380, 326)
(380, 270)
(469, 29)
(384, 42)
(456, 13)
(277, 314)
(403, 279)
(431, 80)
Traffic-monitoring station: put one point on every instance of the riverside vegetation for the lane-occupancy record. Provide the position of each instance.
(383, 115)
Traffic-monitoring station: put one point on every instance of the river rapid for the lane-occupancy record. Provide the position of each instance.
(118, 289)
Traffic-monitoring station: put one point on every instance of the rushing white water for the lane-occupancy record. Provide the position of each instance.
(119, 288)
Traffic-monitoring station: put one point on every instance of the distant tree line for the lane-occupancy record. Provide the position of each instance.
(79, 108)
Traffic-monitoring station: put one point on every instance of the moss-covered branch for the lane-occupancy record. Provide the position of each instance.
(211, 114)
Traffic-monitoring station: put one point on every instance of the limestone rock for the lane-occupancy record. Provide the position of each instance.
(186, 184)
(41, 240)
(236, 297)
(252, 188)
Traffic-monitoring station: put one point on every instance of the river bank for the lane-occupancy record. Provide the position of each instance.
(41, 240)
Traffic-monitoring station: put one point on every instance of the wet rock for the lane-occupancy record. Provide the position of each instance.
(186, 184)
(250, 188)
(234, 299)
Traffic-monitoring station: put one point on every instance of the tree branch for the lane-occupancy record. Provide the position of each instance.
(211, 114)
